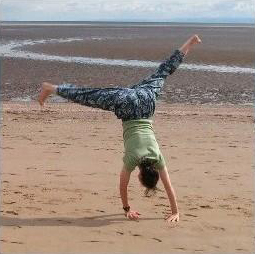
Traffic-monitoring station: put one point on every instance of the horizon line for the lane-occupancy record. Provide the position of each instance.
(133, 21)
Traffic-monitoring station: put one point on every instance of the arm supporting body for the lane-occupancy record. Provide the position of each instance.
(124, 180)
(164, 176)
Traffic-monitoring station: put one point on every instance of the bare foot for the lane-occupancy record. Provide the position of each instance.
(195, 39)
(47, 89)
(185, 48)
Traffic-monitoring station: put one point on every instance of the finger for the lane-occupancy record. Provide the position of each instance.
(172, 219)
(134, 216)
(130, 216)
(175, 219)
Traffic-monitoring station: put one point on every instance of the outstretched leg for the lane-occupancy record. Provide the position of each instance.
(168, 67)
(103, 98)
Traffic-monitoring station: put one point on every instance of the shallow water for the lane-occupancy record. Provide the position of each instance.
(13, 49)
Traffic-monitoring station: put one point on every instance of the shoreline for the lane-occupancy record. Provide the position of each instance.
(149, 45)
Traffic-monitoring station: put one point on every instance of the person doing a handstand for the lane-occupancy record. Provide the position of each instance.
(135, 106)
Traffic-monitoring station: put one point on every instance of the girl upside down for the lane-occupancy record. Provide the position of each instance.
(135, 106)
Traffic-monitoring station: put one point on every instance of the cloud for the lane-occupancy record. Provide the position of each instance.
(172, 10)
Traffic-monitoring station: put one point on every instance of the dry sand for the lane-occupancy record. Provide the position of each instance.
(59, 176)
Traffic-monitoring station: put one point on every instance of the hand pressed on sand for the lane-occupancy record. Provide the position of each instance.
(133, 215)
(173, 217)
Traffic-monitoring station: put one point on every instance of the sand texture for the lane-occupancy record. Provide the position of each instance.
(60, 171)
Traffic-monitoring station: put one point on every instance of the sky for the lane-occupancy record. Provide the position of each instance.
(239, 11)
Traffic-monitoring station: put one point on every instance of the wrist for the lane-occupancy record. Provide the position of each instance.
(126, 208)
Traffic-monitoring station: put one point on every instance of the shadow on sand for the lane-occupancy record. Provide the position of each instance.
(94, 221)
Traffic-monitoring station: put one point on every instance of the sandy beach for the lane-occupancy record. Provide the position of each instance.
(60, 165)
(60, 170)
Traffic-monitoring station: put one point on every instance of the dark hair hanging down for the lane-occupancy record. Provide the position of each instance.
(149, 175)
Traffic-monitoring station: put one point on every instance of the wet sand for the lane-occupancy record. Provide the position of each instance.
(60, 170)
(229, 46)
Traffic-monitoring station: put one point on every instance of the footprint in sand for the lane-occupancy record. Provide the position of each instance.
(156, 239)
(31, 168)
(65, 221)
(162, 197)
(7, 147)
(206, 206)
(179, 248)
(190, 215)
(9, 203)
(161, 205)
(92, 241)
(17, 192)
(12, 212)
(17, 242)
(218, 228)
(23, 186)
